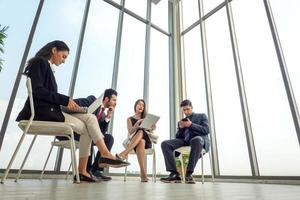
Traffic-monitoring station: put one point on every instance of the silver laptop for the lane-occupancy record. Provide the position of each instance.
(89, 109)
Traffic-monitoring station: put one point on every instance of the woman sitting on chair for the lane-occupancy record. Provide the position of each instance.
(139, 138)
(47, 102)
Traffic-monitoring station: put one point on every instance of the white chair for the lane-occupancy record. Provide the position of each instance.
(47, 128)
(147, 152)
(186, 150)
(65, 144)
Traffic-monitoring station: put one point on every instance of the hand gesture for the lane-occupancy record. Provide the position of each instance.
(139, 122)
(185, 123)
(72, 104)
(110, 112)
(153, 127)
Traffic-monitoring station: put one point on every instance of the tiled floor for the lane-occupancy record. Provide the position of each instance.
(133, 189)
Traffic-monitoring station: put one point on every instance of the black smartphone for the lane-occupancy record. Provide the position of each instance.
(185, 119)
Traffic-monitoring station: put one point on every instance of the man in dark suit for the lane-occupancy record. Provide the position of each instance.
(192, 131)
(103, 114)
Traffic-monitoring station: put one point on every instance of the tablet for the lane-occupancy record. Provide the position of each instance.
(149, 120)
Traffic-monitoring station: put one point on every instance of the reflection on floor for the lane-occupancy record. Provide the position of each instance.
(133, 189)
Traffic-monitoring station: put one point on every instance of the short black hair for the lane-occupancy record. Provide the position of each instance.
(109, 92)
(186, 103)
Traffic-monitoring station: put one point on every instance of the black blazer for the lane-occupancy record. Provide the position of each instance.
(46, 99)
(199, 127)
(87, 102)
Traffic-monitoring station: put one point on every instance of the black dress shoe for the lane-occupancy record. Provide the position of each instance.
(189, 179)
(99, 176)
(85, 178)
(107, 162)
(172, 178)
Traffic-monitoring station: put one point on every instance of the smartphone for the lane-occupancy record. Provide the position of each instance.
(185, 119)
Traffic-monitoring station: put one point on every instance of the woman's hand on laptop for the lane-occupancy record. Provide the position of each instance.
(72, 104)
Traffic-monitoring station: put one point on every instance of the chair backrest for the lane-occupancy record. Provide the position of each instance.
(29, 91)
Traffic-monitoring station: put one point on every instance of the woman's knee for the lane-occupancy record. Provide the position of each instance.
(142, 142)
(139, 132)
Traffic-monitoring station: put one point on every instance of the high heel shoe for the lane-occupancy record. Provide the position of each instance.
(120, 157)
(144, 179)
(108, 162)
(85, 178)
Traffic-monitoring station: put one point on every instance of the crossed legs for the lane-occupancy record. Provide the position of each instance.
(138, 142)
(87, 126)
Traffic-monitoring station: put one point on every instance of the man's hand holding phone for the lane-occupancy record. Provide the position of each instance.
(184, 123)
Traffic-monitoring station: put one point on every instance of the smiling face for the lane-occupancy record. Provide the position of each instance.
(110, 102)
(58, 57)
(139, 108)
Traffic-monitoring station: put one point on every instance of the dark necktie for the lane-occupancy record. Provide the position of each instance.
(186, 134)
(101, 110)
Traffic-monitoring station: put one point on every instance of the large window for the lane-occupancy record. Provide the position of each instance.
(159, 92)
(96, 63)
(14, 44)
(211, 4)
(138, 7)
(130, 82)
(71, 13)
(190, 12)
(195, 82)
(285, 14)
(272, 124)
(159, 15)
(230, 133)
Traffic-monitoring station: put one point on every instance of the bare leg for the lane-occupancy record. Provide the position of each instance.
(82, 166)
(134, 142)
(140, 152)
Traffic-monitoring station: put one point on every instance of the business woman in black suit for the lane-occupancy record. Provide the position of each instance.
(47, 102)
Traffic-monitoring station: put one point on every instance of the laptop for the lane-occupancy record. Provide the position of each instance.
(149, 120)
(89, 109)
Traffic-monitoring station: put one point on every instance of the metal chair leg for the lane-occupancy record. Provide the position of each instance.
(14, 156)
(25, 158)
(182, 168)
(154, 167)
(68, 172)
(211, 167)
(125, 175)
(202, 154)
(42, 173)
(73, 157)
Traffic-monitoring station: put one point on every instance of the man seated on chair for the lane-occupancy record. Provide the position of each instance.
(192, 131)
(103, 113)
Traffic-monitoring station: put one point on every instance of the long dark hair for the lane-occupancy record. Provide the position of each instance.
(144, 113)
(46, 52)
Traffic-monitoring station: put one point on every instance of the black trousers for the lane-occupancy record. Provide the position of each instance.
(168, 147)
(109, 141)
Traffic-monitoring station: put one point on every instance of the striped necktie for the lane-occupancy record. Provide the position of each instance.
(99, 116)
